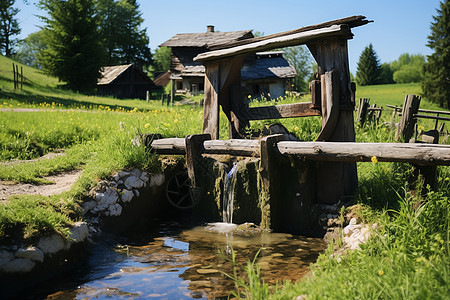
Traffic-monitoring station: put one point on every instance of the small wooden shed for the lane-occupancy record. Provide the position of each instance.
(124, 81)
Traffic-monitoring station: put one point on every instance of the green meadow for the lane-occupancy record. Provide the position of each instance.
(407, 258)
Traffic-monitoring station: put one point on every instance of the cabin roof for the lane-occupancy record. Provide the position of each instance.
(267, 65)
(110, 73)
(206, 39)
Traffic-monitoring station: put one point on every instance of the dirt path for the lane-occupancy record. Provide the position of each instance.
(62, 182)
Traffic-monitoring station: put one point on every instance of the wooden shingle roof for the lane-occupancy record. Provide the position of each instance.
(206, 39)
(267, 65)
(110, 73)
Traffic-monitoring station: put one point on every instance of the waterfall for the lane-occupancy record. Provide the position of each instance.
(228, 195)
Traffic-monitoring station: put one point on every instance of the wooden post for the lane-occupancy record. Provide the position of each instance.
(340, 179)
(315, 90)
(14, 75)
(405, 130)
(269, 174)
(21, 77)
(211, 105)
(194, 149)
(147, 96)
(362, 110)
(172, 92)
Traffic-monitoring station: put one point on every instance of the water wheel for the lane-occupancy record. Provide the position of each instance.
(180, 193)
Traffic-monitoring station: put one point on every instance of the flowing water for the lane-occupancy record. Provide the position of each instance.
(176, 263)
(229, 195)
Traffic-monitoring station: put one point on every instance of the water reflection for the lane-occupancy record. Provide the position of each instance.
(191, 264)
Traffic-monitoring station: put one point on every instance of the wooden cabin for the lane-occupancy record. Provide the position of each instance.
(124, 81)
(264, 74)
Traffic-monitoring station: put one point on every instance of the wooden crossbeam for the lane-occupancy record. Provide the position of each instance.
(282, 111)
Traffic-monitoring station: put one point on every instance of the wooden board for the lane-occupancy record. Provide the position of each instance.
(426, 154)
(239, 147)
(211, 105)
(282, 111)
(294, 39)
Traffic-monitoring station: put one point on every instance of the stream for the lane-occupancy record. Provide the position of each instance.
(174, 262)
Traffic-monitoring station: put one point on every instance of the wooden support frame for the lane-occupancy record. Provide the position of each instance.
(405, 130)
(194, 150)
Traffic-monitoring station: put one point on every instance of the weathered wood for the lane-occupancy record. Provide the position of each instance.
(277, 42)
(282, 111)
(194, 149)
(431, 117)
(405, 130)
(316, 94)
(330, 104)
(211, 104)
(237, 147)
(173, 146)
(14, 76)
(362, 110)
(353, 21)
(270, 168)
(426, 154)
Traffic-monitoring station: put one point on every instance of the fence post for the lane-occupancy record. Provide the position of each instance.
(405, 128)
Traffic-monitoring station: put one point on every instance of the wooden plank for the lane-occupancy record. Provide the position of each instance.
(330, 104)
(239, 147)
(172, 146)
(353, 21)
(431, 117)
(194, 149)
(426, 154)
(316, 97)
(282, 111)
(294, 39)
(211, 104)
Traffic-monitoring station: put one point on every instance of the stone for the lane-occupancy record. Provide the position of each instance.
(51, 244)
(88, 205)
(116, 177)
(136, 192)
(5, 257)
(108, 197)
(32, 253)
(123, 174)
(115, 210)
(78, 232)
(156, 180)
(144, 177)
(134, 182)
(127, 196)
(18, 265)
(136, 172)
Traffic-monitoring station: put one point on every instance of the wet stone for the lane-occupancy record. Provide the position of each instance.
(32, 253)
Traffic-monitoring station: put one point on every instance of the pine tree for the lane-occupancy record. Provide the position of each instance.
(74, 52)
(9, 26)
(124, 40)
(369, 70)
(436, 83)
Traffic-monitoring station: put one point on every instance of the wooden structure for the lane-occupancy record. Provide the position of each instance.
(332, 96)
(124, 81)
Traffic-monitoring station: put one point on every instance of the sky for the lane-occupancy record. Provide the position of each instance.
(400, 26)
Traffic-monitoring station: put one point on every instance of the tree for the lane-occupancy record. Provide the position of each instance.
(386, 74)
(28, 49)
(162, 59)
(408, 68)
(9, 26)
(74, 52)
(124, 40)
(368, 71)
(436, 83)
(300, 59)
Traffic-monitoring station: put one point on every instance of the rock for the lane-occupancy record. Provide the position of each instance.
(108, 197)
(51, 244)
(115, 210)
(116, 177)
(134, 182)
(78, 232)
(127, 196)
(136, 192)
(5, 257)
(18, 265)
(156, 180)
(88, 205)
(31, 253)
(123, 174)
(301, 297)
(144, 177)
(136, 172)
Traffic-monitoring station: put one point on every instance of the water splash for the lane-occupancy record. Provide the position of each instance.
(228, 195)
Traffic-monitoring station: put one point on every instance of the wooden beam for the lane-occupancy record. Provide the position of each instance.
(330, 104)
(294, 39)
(211, 104)
(405, 130)
(282, 111)
(194, 149)
(426, 154)
(173, 146)
(239, 147)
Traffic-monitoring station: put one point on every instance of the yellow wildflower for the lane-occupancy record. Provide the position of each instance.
(146, 125)
(374, 159)
(381, 272)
